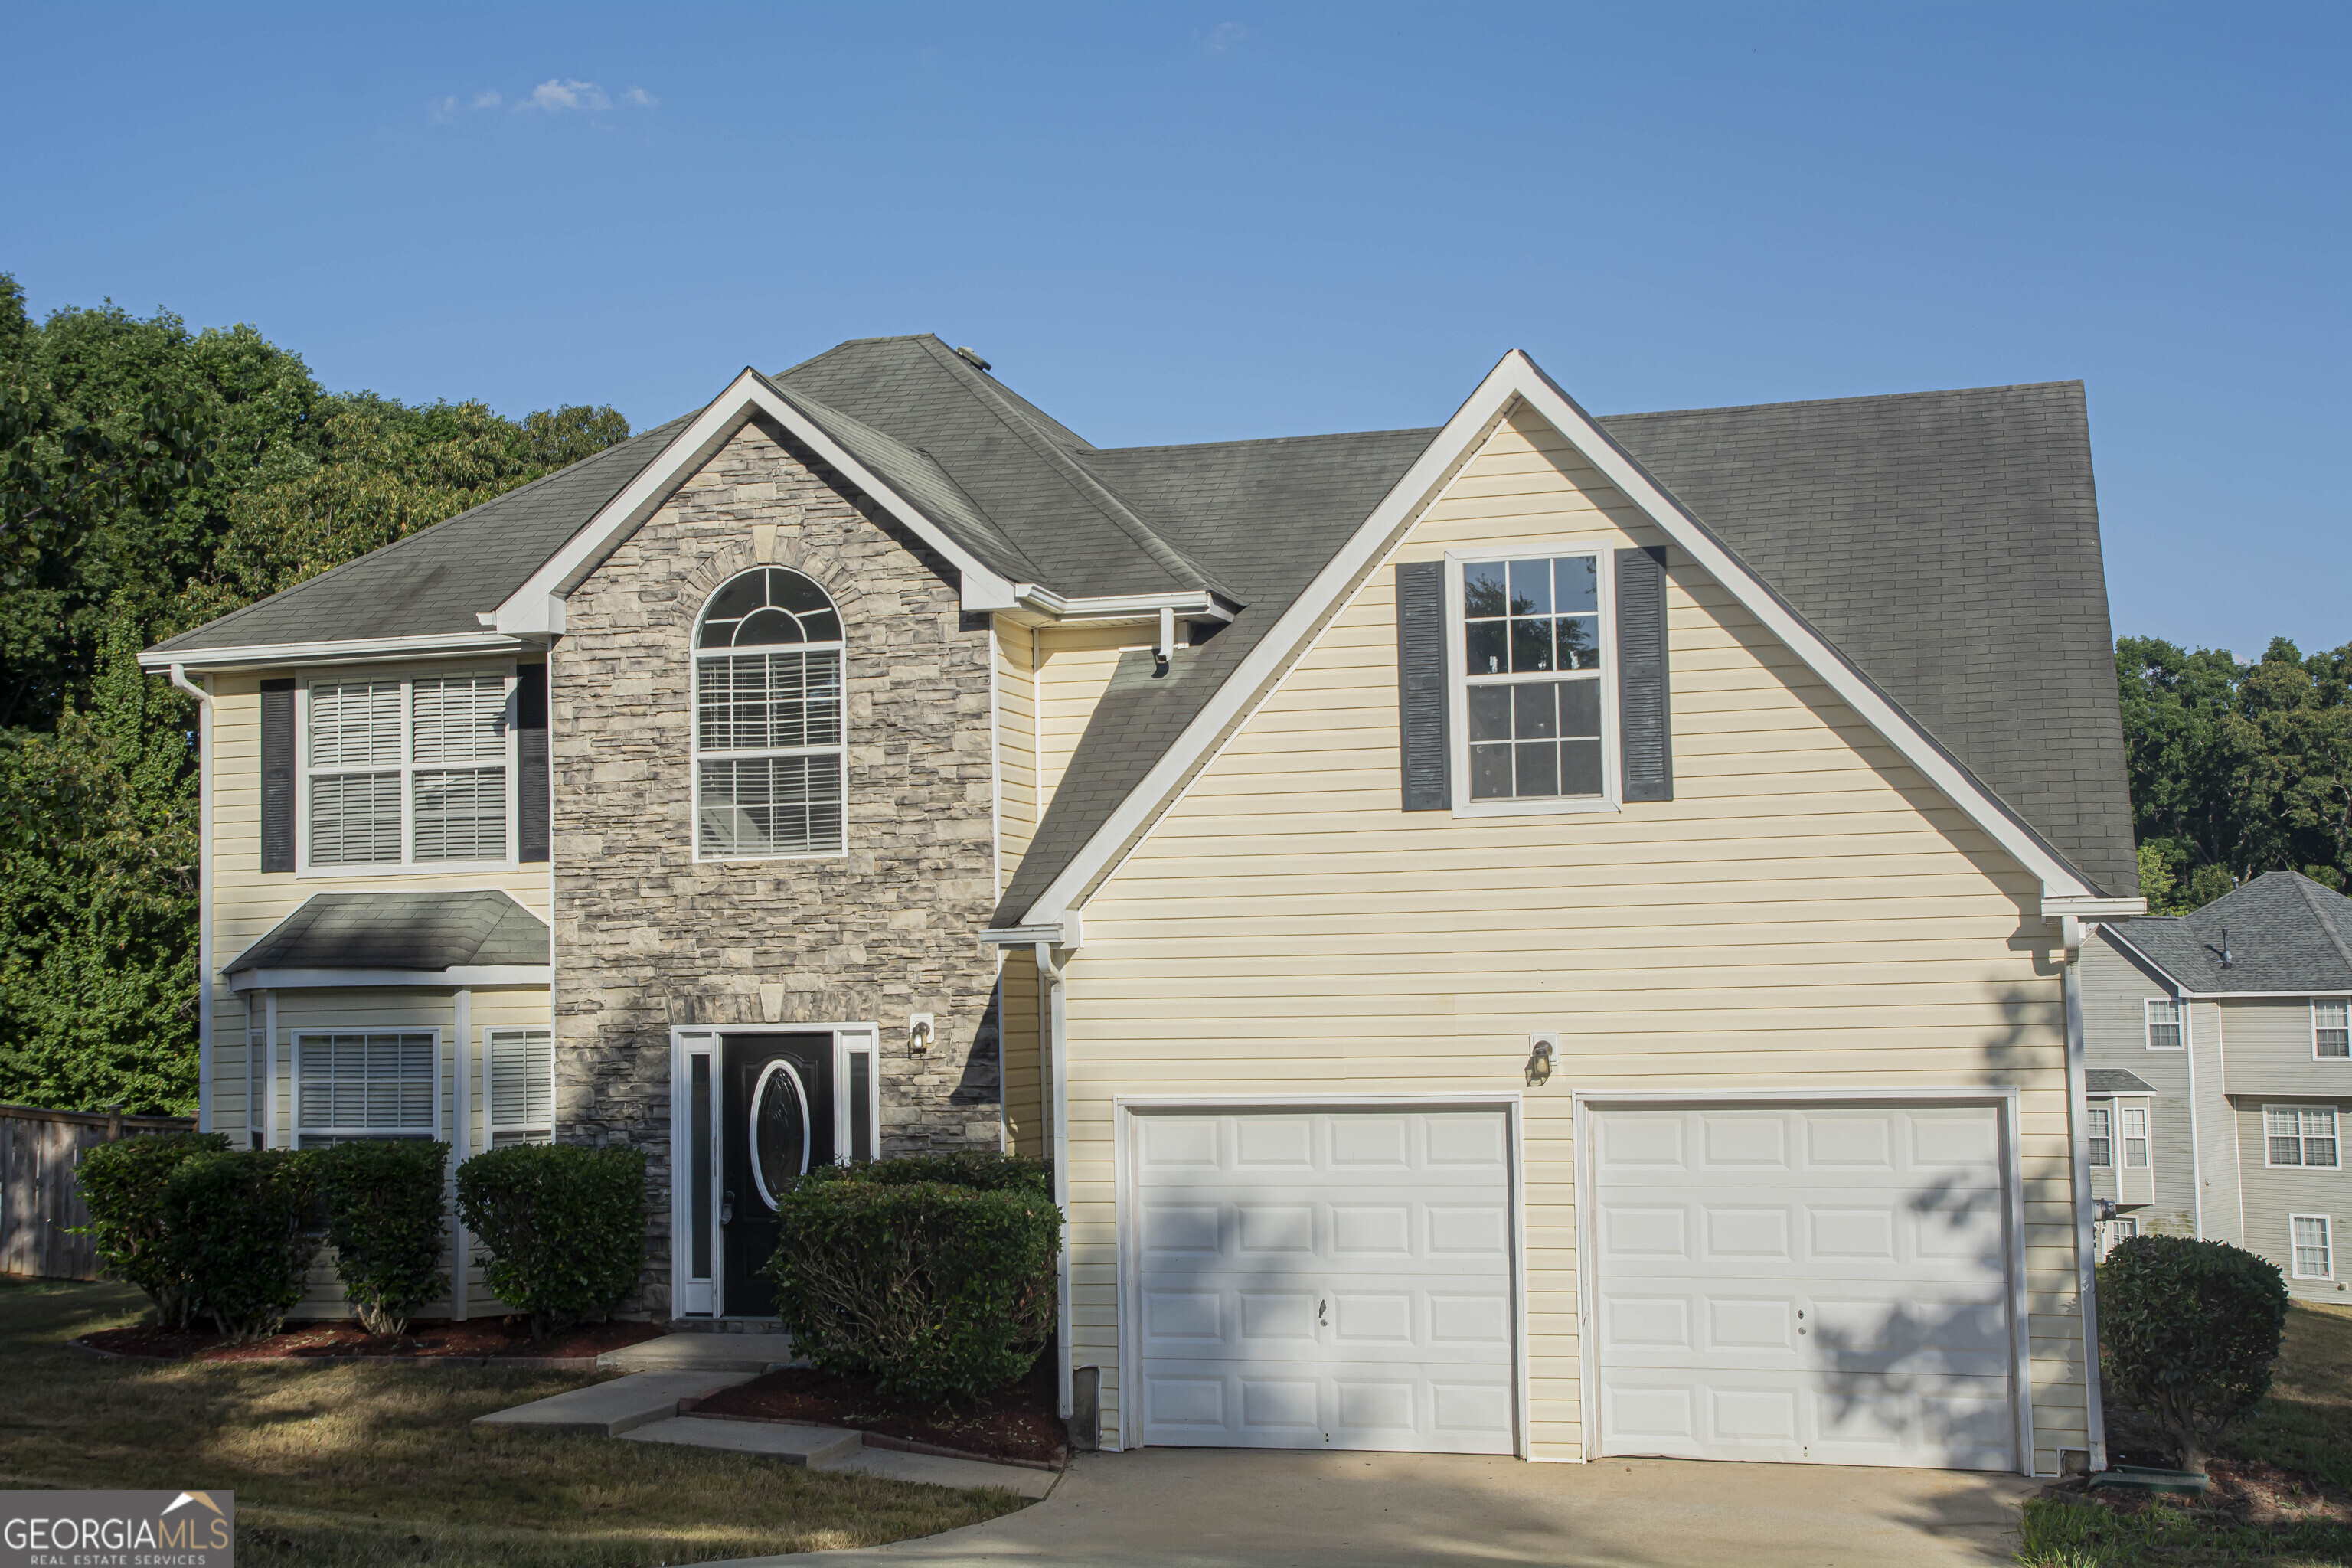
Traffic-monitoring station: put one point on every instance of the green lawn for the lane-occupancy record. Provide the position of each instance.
(342, 1465)
(2305, 1425)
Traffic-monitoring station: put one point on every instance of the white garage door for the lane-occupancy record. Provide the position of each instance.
(1327, 1279)
(1823, 1283)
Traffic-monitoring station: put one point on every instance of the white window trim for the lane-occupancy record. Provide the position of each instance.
(2179, 1022)
(407, 865)
(2317, 1002)
(2328, 1229)
(2124, 1138)
(296, 1129)
(1458, 682)
(695, 755)
(2335, 1118)
(491, 1127)
(2091, 1140)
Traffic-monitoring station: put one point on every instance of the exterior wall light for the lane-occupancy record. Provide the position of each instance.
(1543, 1055)
(918, 1034)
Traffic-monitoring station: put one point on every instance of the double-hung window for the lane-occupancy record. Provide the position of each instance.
(2101, 1137)
(2163, 1024)
(2301, 1135)
(769, 759)
(2331, 1030)
(365, 1084)
(2135, 1130)
(2312, 1246)
(1528, 633)
(408, 771)
(521, 1074)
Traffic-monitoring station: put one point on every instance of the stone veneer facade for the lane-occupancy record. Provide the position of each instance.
(647, 938)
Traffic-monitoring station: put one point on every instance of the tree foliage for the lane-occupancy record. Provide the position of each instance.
(2188, 1330)
(151, 479)
(2236, 769)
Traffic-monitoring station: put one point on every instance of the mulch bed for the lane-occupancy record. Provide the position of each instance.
(2243, 1491)
(479, 1339)
(1020, 1422)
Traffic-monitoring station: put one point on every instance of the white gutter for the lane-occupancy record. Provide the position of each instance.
(466, 976)
(1113, 609)
(2086, 1282)
(203, 694)
(1056, 1032)
(341, 651)
(1069, 931)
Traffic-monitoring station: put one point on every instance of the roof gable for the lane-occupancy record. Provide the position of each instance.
(2284, 933)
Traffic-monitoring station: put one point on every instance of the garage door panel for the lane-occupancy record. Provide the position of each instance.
(1822, 1283)
(1338, 1279)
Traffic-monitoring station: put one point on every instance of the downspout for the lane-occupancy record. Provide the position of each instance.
(203, 694)
(2078, 1084)
(1058, 1136)
(2196, 1143)
(461, 1139)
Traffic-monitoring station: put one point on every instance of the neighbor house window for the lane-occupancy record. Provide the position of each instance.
(2135, 1121)
(2314, 1246)
(521, 1070)
(2163, 1024)
(2125, 1227)
(2301, 1135)
(365, 1084)
(2100, 1139)
(2331, 1031)
(769, 757)
(407, 772)
(1530, 633)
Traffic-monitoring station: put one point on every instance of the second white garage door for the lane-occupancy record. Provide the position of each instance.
(1323, 1279)
(1827, 1283)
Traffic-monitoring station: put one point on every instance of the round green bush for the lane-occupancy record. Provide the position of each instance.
(386, 1220)
(121, 1185)
(941, 1292)
(565, 1226)
(981, 1169)
(239, 1223)
(2188, 1330)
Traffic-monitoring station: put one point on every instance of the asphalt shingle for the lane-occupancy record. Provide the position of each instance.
(2282, 933)
(400, 930)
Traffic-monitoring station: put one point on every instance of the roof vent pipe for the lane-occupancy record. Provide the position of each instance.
(972, 356)
(1166, 648)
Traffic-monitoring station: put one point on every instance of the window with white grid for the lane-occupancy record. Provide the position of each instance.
(407, 772)
(521, 1075)
(2331, 1030)
(2301, 1135)
(2314, 1246)
(1530, 638)
(365, 1084)
(2135, 1131)
(2101, 1137)
(769, 760)
(2163, 1024)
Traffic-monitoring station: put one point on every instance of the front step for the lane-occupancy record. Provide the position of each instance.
(793, 1444)
(612, 1409)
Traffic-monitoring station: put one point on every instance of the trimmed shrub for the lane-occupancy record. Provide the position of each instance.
(123, 1184)
(565, 1226)
(941, 1291)
(240, 1225)
(2188, 1330)
(982, 1170)
(386, 1220)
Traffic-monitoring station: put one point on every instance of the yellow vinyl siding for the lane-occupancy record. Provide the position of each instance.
(1025, 1119)
(1074, 669)
(1806, 914)
(1016, 749)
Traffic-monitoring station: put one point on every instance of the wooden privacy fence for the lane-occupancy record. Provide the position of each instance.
(39, 1200)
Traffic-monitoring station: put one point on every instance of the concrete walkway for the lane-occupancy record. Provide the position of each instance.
(1222, 1508)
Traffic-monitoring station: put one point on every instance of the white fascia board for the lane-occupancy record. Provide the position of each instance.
(474, 977)
(1069, 931)
(270, 655)
(2093, 909)
(538, 604)
(1517, 380)
(1196, 603)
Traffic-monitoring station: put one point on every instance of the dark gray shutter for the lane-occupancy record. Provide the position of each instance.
(1645, 744)
(1420, 684)
(530, 758)
(277, 775)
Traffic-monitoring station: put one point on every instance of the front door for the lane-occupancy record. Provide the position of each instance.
(776, 1122)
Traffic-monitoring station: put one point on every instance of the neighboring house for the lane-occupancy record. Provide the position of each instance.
(2223, 1042)
(1545, 935)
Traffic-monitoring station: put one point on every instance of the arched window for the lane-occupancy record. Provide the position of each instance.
(768, 751)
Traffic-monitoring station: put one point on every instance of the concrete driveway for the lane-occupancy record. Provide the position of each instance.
(1227, 1507)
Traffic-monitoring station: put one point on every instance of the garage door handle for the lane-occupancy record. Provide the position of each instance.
(1322, 1313)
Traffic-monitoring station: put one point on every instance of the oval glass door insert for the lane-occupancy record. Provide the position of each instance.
(780, 1129)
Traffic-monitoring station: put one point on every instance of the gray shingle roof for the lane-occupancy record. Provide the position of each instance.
(2116, 1081)
(400, 930)
(2284, 932)
(438, 578)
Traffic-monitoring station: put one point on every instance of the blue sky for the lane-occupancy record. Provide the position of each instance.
(1172, 224)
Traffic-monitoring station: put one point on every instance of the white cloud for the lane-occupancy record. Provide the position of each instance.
(488, 99)
(1222, 39)
(441, 110)
(638, 98)
(557, 94)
